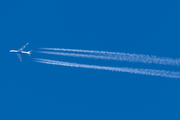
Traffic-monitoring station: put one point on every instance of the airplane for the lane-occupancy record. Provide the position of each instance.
(20, 51)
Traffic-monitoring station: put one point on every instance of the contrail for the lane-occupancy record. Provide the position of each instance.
(117, 56)
(151, 72)
(83, 51)
(81, 55)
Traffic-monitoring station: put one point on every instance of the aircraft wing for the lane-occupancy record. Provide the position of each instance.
(23, 47)
(19, 56)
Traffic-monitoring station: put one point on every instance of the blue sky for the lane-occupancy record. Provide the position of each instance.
(31, 90)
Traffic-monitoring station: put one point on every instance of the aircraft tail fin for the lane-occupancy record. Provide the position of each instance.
(29, 53)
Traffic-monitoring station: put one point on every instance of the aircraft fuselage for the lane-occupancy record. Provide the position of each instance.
(20, 52)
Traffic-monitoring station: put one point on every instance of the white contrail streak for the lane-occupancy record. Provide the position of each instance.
(118, 56)
(83, 51)
(81, 55)
(161, 73)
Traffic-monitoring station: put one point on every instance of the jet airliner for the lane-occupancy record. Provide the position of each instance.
(20, 51)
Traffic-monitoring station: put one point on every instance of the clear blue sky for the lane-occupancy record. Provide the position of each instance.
(35, 91)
